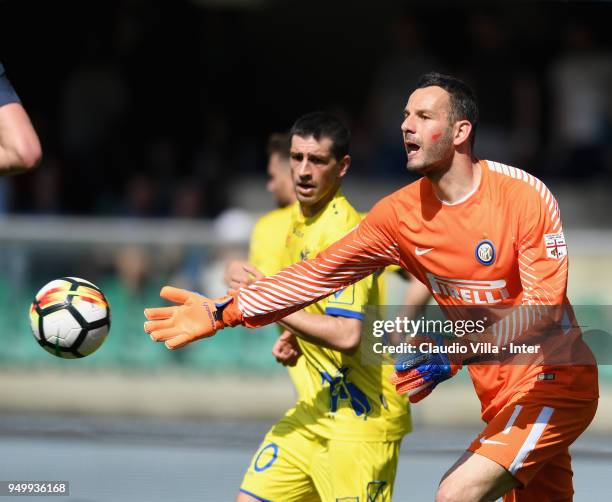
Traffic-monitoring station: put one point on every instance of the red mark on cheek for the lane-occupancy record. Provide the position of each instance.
(436, 136)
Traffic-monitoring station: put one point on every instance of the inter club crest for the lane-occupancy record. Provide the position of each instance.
(485, 252)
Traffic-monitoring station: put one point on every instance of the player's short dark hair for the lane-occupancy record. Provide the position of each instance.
(324, 125)
(463, 102)
(279, 143)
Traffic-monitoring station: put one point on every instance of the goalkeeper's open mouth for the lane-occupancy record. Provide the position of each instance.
(412, 148)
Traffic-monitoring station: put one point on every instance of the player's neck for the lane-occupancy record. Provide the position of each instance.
(457, 182)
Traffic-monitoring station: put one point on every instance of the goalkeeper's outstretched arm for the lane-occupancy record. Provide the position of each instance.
(360, 253)
(355, 256)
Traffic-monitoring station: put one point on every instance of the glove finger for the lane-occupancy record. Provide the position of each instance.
(176, 295)
(179, 341)
(159, 313)
(162, 335)
(418, 376)
(404, 376)
(418, 394)
(404, 385)
(151, 326)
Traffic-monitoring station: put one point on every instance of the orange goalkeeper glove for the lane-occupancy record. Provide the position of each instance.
(195, 317)
(418, 374)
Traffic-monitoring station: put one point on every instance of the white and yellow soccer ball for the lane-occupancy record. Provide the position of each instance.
(70, 317)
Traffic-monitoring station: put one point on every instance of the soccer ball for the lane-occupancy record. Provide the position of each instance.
(70, 317)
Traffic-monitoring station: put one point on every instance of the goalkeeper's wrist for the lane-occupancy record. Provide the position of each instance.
(231, 314)
(449, 353)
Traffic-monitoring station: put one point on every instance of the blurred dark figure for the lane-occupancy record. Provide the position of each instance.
(94, 106)
(210, 162)
(141, 197)
(188, 199)
(46, 188)
(133, 266)
(581, 119)
(378, 142)
(507, 92)
(131, 285)
(39, 193)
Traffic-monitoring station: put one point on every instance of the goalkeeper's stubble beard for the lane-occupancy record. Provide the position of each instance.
(434, 158)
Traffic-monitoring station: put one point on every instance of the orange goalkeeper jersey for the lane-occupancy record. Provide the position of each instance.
(502, 245)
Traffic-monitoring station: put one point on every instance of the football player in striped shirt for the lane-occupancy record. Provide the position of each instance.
(476, 232)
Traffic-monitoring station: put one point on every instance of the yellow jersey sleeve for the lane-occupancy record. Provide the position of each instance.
(349, 302)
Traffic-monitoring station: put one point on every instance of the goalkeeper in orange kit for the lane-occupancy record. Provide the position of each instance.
(475, 232)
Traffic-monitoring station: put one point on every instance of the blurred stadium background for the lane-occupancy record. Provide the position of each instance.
(153, 118)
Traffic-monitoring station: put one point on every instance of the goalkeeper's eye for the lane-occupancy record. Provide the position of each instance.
(298, 157)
